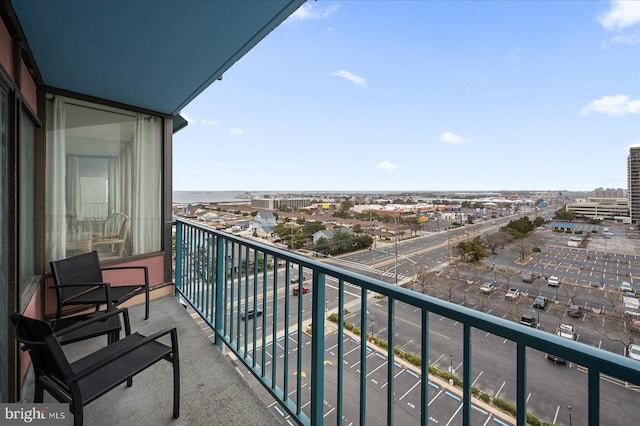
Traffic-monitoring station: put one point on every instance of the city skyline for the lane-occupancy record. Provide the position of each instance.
(418, 96)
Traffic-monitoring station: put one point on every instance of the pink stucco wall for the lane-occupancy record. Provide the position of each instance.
(6, 49)
(29, 90)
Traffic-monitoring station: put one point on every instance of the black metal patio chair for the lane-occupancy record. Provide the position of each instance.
(87, 326)
(78, 280)
(83, 381)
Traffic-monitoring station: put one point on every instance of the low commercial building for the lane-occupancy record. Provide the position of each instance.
(601, 208)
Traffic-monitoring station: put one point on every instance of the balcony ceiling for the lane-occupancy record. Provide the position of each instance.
(155, 55)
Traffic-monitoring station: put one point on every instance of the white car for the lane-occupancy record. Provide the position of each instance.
(626, 287)
(567, 331)
(634, 352)
(486, 288)
(513, 293)
(553, 281)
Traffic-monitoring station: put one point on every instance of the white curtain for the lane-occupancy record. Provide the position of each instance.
(74, 196)
(115, 187)
(56, 213)
(146, 175)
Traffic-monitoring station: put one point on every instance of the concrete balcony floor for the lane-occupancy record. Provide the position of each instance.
(212, 390)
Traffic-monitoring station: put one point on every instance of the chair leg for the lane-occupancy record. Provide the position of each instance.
(38, 395)
(78, 417)
(176, 388)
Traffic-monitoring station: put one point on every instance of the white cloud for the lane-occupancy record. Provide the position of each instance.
(235, 131)
(308, 11)
(210, 122)
(623, 13)
(356, 79)
(617, 105)
(387, 165)
(452, 138)
(630, 39)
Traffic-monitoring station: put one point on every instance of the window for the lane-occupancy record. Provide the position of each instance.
(103, 180)
(26, 212)
(4, 256)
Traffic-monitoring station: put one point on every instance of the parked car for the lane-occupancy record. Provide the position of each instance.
(295, 280)
(527, 278)
(486, 288)
(250, 314)
(540, 302)
(513, 293)
(529, 321)
(568, 332)
(626, 288)
(553, 281)
(296, 290)
(574, 311)
(634, 352)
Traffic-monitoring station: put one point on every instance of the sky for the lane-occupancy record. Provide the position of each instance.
(424, 96)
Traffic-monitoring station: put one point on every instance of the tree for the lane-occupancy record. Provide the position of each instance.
(423, 277)
(526, 245)
(493, 241)
(472, 251)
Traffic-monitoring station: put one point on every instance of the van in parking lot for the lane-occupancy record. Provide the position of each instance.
(553, 281)
(631, 306)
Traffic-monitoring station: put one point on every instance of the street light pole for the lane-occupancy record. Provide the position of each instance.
(569, 408)
(495, 281)
(396, 262)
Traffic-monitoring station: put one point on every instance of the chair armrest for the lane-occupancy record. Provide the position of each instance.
(124, 351)
(107, 314)
(106, 286)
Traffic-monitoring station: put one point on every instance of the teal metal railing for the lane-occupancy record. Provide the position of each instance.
(226, 278)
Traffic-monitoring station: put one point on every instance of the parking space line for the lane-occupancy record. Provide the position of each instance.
(434, 398)
(555, 417)
(454, 415)
(500, 390)
(474, 382)
(410, 389)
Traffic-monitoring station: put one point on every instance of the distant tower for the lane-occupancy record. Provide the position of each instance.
(633, 183)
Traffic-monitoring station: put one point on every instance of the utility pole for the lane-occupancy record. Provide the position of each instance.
(396, 262)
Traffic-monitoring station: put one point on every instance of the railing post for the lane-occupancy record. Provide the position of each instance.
(219, 283)
(317, 349)
(179, 254)
(521, 384)
(424, 370)
(390, 361)
(594, 397)
(466, 376)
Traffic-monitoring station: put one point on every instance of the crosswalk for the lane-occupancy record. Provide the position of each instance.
(347, 264)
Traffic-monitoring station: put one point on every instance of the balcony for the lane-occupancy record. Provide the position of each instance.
(212, 390)
(318, 381)
(367, 368)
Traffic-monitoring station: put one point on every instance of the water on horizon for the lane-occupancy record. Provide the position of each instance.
(211, 196)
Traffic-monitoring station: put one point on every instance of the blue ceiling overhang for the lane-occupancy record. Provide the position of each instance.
(156, 55)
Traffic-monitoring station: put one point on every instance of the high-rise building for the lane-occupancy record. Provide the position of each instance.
(633, 183)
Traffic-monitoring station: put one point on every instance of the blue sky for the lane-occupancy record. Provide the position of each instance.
(424, 95)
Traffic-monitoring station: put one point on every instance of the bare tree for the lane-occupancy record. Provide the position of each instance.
(625, 333)
(424, 277)
(526, 245)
